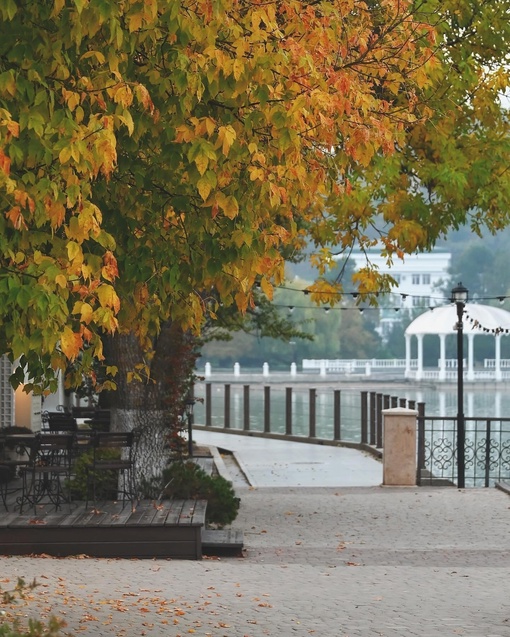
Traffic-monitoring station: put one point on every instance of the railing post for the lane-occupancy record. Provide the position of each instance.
(394, 402)
(399, 460)
(208, 404)
(312, 412)
(402, 403)
(421, 442)
(246, 407)
(487, 452)
(364, 417)
(379, 430)
(227, 407)
(336, 415)
(372, 418)
(267, 409)
(288, 411)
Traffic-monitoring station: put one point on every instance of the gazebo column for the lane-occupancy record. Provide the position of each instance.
(408, 356)
(471, 357)
(419, 371)
(442, 357)
(497, 356)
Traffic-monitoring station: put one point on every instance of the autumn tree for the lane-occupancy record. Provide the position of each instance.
(451, 167)
(157, 158)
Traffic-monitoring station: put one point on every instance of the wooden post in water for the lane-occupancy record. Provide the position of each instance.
(312, 412)
(267, 409)
(288, 411)
(227, 407)
(246, 407)
(336, 415)
(208, 404)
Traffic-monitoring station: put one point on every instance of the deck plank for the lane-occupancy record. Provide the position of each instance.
(171, 528)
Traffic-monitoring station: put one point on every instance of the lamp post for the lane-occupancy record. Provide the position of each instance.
(460, 297)
(190, 402)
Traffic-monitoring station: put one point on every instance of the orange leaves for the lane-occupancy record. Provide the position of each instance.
(110, 270)
(71, 343)
(15, 216)
(5, 163)
(55, 211)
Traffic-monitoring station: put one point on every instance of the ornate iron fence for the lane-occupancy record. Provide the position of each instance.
(487, 451)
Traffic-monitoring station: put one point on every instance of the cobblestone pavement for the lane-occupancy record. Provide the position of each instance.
(350, 562)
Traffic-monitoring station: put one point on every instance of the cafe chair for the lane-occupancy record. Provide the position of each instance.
(46, 477)
(112, 464)
(14, 455)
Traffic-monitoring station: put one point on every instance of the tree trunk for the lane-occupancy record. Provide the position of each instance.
(155, 405)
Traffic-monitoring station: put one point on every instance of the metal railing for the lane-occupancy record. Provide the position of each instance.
(487, 451)
(320, 415)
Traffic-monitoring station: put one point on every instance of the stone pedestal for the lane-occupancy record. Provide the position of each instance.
(400, 454)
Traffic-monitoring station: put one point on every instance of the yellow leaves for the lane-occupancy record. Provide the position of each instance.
(256, 173)
(228, 204)
(121, 94)
(71, 98)
(267, 288)
(70, 343)
(61, 281)
(226, 137)
(94, 54)
(73, 250)
(105, 148)
(108, 297)
(84, 225)
(143, 96)
(85, 310)
(206, 183)
(55, 212)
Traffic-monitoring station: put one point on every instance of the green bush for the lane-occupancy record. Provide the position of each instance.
(186, 480)
(106, 481)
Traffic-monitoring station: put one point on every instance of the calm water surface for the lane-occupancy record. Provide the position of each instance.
(494, 403)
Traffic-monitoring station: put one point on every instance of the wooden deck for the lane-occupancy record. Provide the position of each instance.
(169, 529)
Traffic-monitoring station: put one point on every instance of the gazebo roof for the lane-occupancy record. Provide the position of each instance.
(442, 320)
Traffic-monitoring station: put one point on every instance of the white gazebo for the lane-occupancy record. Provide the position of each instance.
(441, 321)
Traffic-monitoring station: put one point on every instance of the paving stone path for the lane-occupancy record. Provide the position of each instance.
(346, 562)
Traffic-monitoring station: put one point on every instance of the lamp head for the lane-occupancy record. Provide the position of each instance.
(189, 406)
(459, 294)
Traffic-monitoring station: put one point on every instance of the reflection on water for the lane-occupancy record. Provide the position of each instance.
(493, 403)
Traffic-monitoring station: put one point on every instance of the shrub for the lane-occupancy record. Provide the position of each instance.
(106, 481)
(186, 480)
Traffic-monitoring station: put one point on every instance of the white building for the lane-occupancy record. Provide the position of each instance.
(418, 278)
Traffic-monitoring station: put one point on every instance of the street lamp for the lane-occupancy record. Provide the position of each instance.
(189, 404)
(460, 297)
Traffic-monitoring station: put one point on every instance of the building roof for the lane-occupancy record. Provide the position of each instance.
(442, 320)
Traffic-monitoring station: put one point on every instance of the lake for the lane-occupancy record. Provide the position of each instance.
(486, 401)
